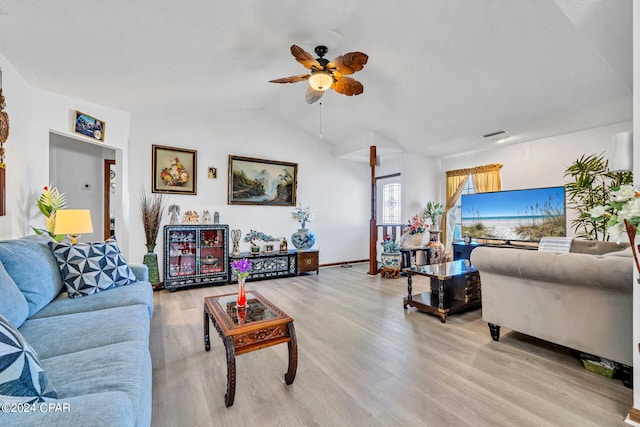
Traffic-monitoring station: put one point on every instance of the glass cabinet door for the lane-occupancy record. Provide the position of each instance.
(182, 253)
(212, 251)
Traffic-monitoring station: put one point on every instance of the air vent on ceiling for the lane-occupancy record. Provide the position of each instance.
(492, 134)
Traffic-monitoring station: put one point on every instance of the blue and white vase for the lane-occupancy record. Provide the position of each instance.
(303, 239)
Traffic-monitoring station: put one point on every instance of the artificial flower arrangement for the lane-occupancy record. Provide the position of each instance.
(623, 205)
(174, 173)
(241, 267)
(416, 225)
(390, 245)
(50, 201)
(303, 215)
(621, 214)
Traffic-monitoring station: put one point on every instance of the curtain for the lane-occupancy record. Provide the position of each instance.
(485, 178)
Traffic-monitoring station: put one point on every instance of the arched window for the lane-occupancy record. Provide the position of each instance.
(391, 203)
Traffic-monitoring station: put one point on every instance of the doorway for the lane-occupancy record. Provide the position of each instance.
(109, 188)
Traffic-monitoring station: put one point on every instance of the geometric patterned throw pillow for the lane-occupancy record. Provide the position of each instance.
(88, 268)
(22, 379)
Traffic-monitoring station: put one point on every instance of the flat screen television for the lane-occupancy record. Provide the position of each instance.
(515, 215)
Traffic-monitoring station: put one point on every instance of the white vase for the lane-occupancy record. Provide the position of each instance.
(412, 241)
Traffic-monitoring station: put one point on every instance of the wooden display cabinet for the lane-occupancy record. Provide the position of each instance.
(308, 261)
(195, 255)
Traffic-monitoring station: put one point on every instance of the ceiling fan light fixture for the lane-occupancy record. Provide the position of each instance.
(320, 81)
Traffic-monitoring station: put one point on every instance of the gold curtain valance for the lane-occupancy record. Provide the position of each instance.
(485, 168)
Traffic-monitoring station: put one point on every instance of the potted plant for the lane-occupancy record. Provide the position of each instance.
(590, 185)
(49, 202)
(391, 257)
(413, 235)
(253, 236)
(151, 210)
(433, 211)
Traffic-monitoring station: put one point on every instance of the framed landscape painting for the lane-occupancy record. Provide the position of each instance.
(261, 182)
(173, 170)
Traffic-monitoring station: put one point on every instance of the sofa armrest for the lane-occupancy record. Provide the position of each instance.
(141, 271)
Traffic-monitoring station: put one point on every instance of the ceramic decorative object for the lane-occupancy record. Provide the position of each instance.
(151, 261)
(303, 239)
(283, 245)
(235, 238)
(174, 211)
(436, 248)
(391, 260)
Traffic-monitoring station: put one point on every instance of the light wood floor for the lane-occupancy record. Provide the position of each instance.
(364, 361)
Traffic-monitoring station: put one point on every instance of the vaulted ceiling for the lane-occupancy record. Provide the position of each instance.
(441, 73)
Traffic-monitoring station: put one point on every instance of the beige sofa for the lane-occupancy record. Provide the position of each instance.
(581, 299)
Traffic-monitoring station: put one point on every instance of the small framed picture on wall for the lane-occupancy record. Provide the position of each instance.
(212, 173)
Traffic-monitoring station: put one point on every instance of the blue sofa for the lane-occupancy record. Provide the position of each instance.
(93, 349)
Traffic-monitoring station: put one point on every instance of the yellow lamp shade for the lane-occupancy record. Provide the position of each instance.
(73, 222)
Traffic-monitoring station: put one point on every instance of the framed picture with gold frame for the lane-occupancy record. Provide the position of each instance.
(89, 126)
(261, 182)
(173, 170)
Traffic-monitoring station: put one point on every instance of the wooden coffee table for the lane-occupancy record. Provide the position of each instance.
(260, 325)
(455, 287)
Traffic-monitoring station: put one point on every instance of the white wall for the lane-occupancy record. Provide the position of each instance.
(77, 169)
(33, 115)
(636, 174)
(541, 162)
(421, 179)
(337, 190)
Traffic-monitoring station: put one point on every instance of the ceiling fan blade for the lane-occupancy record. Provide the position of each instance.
(312, 95)
(292, 79)
(349, 63)
(305, 58)
(348, 86)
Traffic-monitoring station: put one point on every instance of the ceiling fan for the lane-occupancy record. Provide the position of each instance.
(327, 74)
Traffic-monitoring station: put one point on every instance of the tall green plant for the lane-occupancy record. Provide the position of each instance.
(590, 185)
(50, 201)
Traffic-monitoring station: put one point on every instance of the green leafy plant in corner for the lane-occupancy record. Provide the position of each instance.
(50, 201)
(590, 183)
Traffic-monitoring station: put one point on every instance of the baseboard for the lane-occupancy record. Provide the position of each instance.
(331, 264)
(634, 415)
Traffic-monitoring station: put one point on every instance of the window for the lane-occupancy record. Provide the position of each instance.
(468, 189)
(391, 203)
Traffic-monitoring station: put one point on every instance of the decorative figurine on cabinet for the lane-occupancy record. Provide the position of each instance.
(191, 217)
(206, 217)
(283, 245)
(235, 237)
(174, 211)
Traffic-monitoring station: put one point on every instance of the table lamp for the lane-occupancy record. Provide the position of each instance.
(73, 222)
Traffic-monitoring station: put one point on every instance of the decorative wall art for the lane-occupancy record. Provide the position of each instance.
(261, 182)
(212, 172)
(89, 126)
(173, 170)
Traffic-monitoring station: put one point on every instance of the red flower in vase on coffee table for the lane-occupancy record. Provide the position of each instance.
(241, 267)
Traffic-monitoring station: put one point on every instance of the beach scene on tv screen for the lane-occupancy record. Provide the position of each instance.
(515, 215)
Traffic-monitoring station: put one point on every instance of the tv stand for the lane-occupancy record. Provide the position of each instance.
(463, 251)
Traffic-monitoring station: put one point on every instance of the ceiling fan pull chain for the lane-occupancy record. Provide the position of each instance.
(320, 120)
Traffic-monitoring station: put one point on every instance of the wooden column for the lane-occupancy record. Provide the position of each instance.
(373, 227)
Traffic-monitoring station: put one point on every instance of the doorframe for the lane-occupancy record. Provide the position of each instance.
(106, 188)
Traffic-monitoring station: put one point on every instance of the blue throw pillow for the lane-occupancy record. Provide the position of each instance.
(33, 268)
(22, 379)
(13, 304)
(88, 268)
